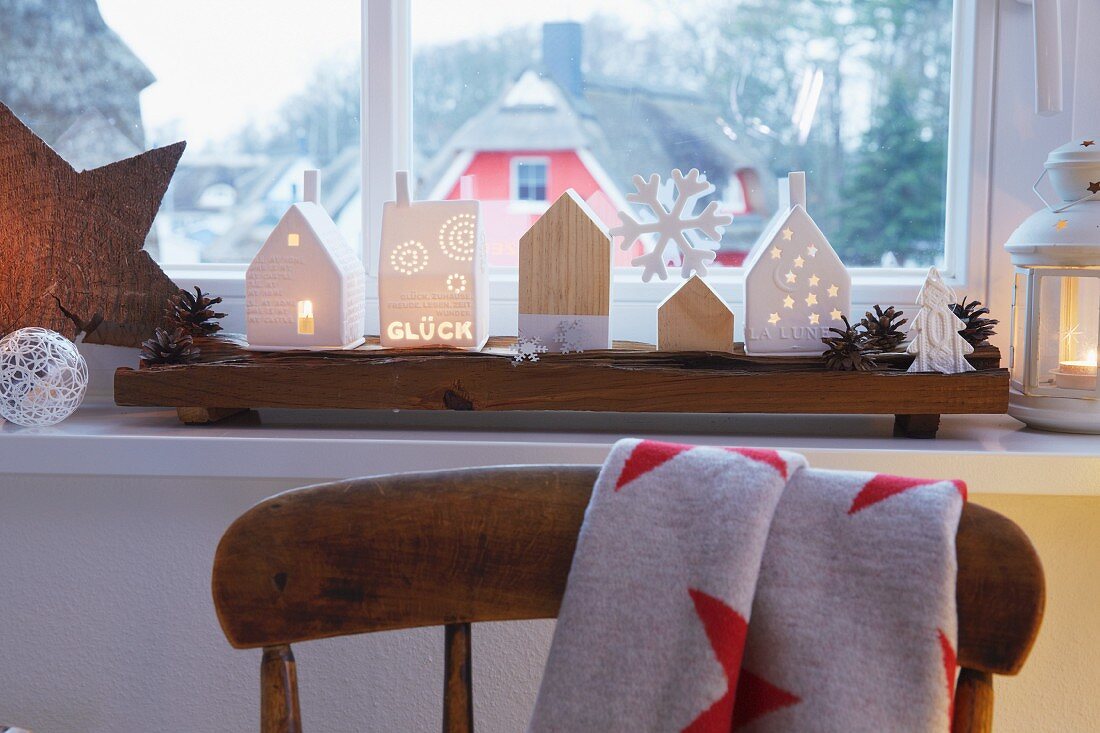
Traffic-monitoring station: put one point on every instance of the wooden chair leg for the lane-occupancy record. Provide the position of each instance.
(458, 698)
(279, 711)
(973, 702)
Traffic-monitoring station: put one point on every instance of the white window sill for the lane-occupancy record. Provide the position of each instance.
(993, 454)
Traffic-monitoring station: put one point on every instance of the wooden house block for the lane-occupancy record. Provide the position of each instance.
(433, 281)
(565, 278)
(306, 288)
(796, 286)
(694, 318)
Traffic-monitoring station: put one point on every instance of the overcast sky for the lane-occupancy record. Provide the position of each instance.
(221, 63)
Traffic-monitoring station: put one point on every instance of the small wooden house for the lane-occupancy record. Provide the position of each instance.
(305, 288)
(433, 283)
(565, 278)
(694, 318)
(796, 286)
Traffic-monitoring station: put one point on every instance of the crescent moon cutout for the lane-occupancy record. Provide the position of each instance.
(780, 280)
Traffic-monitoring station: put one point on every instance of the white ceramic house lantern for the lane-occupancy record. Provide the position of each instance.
(796, 286)
(433, 281)
(1056, 299)
(306, 288)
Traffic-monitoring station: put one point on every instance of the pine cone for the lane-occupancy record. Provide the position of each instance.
(846, 352)
(882, 329)
(978, 328)
(176, 347)
(193, 313)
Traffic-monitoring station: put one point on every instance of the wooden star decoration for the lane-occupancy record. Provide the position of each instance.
(1087, 143)
(1094, 187)
(73, 241)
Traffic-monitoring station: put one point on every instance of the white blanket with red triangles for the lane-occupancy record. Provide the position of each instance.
(729, 589)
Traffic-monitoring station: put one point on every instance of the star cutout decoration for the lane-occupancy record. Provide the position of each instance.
(814, 280)
(835, 314)
(76, 239)
(791, 277)
(834, 291)
(811, 251)
(815, 319)
(788, 302)
(1061, 224)
(773, 318)
(1094, 187)
(799, 262)
(788, 233)
(811, 299)
(776, 253)
(1087, 143)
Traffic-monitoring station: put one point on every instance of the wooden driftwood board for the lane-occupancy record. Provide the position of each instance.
(630, 378)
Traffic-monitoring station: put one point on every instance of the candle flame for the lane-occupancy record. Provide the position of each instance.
(305, 309)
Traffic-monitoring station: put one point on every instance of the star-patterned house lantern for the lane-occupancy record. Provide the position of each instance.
(433, 280)
(1056, 299)
(796, 286)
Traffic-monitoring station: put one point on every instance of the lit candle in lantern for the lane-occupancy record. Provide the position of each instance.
(1077, 374)
(305, 317)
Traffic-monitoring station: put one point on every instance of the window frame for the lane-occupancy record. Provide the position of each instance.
(386, 130)
(514, 166)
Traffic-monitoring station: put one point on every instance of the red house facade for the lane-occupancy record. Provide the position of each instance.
(552, 130)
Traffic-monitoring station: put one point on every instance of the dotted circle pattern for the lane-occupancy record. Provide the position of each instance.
(457, 283)
(409, 257)
(43, 377)
(457, 237)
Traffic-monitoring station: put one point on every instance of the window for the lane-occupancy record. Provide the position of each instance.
(529, 179)
(867, 97)
(856, 93)
(259, 89)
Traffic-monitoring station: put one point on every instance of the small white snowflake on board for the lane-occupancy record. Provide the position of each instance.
(528, 349)
(936, 343)
(569, 337)
(672, 224)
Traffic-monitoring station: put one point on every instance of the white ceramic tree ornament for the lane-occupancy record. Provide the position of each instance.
(43, 377)
(936, 341)
(672, 225)
(306, 288)
(796, 286)
(433, 283)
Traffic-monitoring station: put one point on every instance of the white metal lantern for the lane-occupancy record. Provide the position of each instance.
(1056, 299)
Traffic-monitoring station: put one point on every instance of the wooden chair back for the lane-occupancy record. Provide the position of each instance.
(452, 548)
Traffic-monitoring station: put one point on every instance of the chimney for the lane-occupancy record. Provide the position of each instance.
(562, 45)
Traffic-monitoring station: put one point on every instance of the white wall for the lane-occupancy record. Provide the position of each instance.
(106, 624)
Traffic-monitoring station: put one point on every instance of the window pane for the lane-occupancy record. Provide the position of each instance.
(259, 89)
(854, 92)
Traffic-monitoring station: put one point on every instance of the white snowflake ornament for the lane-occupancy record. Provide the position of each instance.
(673, 224)
(570, 337)
(528, 349)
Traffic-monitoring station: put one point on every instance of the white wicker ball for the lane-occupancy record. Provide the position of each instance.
(42, 377)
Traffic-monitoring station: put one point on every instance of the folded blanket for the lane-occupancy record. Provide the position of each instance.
(848, 580)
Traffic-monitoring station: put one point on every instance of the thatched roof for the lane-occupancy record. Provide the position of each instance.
(59, 60)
